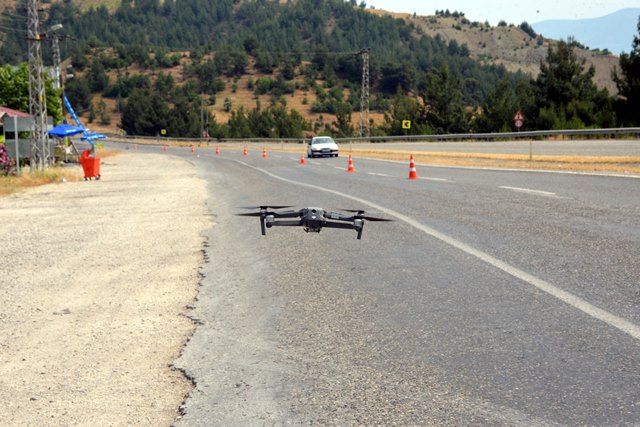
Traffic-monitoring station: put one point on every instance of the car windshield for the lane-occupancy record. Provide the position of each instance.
(321, 140)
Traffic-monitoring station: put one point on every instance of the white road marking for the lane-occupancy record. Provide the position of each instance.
(378, 174)
(338, 167)
(438, 180)
(564, 296)
(535, 192)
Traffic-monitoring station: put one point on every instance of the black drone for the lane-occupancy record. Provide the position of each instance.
(311, 219)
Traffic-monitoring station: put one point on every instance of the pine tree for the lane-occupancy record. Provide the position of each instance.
(567, 97)
(629, 84)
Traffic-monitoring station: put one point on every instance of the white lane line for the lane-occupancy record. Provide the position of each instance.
(534, 192)
(338, 167)
(564, 296)
(378, 174)
(438, 180)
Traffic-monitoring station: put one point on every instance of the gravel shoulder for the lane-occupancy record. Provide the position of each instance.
(95, 278)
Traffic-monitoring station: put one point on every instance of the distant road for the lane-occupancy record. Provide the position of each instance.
(552, 148)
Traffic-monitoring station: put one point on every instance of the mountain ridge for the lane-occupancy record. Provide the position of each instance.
(506, 45)
(614, 31)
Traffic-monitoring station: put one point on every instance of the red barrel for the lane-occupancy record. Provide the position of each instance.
(90, 165)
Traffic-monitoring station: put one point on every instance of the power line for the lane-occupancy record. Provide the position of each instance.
(2, 27)
(13, 15)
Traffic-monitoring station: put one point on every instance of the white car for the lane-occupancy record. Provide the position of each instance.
(322, 146)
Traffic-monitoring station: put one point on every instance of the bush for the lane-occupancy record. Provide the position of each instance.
(6, 161)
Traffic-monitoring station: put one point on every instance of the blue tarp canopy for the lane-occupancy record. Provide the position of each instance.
(65, 130)
(91, 136)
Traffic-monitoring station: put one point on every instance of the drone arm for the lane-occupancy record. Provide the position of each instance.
(352, 226)
(291, 214)
(285, 223)
(331, 224)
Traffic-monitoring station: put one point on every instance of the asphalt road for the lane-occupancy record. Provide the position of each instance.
(494, 298)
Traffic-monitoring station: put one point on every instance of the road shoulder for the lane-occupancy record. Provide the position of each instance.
(95, 280)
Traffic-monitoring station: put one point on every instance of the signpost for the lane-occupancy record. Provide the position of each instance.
(406, 125)
(518, 121)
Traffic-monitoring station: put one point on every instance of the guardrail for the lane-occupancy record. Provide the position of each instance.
(500, 136)
(534, 135)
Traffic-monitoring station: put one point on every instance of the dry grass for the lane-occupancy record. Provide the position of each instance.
(55, 174)
(13, 184)
(614, 164)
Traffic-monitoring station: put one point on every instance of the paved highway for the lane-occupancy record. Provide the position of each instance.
(495, 297)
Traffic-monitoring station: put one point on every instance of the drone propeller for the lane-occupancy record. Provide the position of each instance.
(359, 214)
(351, 210)
(264, 207)
(374, 219)
(249, 214)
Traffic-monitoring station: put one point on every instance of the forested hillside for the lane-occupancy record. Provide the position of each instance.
(158, 65)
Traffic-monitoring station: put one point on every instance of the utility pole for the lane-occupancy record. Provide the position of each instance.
(364, 94)
(55, 44)
(40, 152)
(201, 115)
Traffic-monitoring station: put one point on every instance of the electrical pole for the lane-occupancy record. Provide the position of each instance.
(57, 74)
(364, 94)
(40, 151)
(201, 115)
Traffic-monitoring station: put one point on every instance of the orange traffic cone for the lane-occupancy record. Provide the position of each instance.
(264, 152)
(164, 148)
(245, 151)
(302, 162)
(350, 168)
(217, 151)
(413, 174)
(193, 148)
(135, 147)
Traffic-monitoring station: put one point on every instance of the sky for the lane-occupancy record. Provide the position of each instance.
(511, 11)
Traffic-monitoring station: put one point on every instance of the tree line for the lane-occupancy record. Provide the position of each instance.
(413, 76)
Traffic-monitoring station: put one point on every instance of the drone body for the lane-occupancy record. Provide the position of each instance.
(312, 219)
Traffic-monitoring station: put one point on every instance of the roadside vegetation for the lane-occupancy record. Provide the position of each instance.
(12, 183)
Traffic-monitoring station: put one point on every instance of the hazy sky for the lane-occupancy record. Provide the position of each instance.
(513, 12)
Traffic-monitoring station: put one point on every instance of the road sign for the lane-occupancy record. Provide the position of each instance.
(518, 120)
(406, 124)
(163, 131)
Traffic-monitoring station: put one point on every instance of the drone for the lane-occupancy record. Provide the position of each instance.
(313, 220)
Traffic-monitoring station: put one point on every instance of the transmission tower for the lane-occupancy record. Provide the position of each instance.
(37, 99)
(364, 94)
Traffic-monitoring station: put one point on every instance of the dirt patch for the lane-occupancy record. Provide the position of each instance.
(95, 279)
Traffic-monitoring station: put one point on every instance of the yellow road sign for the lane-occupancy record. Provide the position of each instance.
(406, 124)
